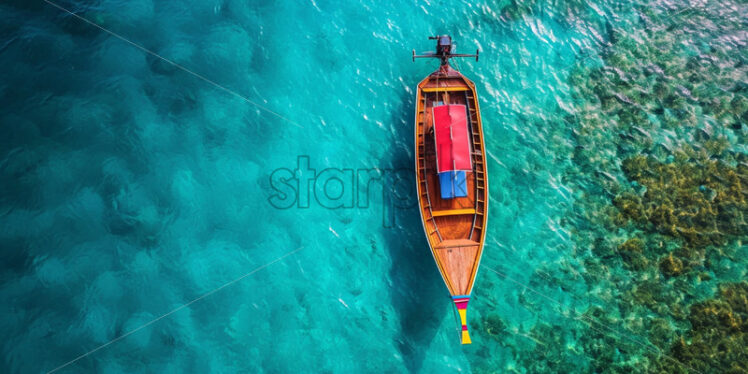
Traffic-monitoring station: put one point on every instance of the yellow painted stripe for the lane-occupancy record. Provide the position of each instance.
(466, 337)
(463, 317)
(452, 212)
(444, 89)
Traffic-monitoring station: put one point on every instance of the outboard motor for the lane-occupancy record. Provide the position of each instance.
(443, 44)
(444, 49)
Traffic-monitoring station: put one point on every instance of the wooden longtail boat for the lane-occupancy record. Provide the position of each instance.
(451, 174)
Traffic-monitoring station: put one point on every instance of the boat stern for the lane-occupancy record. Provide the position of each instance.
(461, 303)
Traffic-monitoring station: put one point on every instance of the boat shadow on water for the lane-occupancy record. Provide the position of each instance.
(418, 293)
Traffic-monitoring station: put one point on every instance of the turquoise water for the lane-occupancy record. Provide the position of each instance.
(130, 187)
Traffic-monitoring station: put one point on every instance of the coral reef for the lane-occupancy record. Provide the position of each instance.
(631, 252)
(671, 266)
(661, 171)
(717, 340)
(494, 326)
(694, 198)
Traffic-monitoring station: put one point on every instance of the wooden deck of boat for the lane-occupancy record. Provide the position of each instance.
(455, 228)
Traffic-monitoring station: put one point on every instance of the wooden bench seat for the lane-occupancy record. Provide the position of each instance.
(454, 243)
(445, 89)
(452, 212)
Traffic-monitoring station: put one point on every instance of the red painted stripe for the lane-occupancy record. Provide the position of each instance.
(461, 305)
(464, 328)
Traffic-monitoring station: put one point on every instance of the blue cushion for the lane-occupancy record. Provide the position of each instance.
(460, 183)
(445, 185)
(452, 184)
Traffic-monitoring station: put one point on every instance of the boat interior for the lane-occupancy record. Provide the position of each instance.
(454, 222)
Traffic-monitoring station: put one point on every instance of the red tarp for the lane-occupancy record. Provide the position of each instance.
(452, 138)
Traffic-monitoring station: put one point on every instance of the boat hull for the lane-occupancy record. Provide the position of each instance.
(455, 227)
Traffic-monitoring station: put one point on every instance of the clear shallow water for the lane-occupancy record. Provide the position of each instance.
(130, 187)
